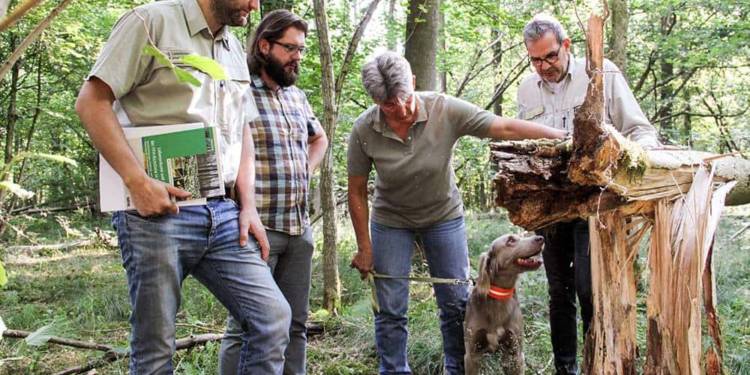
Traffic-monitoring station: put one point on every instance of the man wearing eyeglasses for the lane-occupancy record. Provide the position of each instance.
(550, 96)
(289, 144)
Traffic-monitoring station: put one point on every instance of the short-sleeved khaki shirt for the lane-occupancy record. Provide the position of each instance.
(149, 93)
(415, 184)
(555, 104)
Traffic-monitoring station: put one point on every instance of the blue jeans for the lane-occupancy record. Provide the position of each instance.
(290, 260)
(447, 257)
(159, 252)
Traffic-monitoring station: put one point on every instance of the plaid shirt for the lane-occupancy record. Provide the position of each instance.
(280, 135)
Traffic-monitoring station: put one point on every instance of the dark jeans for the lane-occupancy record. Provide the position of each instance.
(568, 266)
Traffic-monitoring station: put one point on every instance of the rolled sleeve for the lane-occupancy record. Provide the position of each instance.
(121, 63)
(468, 118)
(626, 114)
(358, 163)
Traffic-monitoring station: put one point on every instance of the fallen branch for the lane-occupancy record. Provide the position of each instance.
(59, 246)
(18, 334)
(110, 354)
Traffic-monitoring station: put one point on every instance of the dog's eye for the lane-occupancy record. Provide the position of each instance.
(511, 241)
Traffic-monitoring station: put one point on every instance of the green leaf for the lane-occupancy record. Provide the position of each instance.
(205, 65)
(185, 77)
(160, 57)
(41, 335)
(3, 281)
(16, 189)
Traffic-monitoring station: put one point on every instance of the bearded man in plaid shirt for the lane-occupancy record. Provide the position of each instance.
(289, 145)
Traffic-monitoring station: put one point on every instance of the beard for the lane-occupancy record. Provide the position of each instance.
(228, 15)
(284, 75)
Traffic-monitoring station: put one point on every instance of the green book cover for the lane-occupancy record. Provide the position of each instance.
(185, 159)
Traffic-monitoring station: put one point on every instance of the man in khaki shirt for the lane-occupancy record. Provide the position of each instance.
(160, 244)
(550, 96)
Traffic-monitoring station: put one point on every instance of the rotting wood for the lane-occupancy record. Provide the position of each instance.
(614, 183)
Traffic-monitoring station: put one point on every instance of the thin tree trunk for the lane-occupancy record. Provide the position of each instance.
(331, 90)
(3, 7)
(666, 93)
(17, 13)
(391, 37)
(271, 5)
(618, 38)
(421, 46)
(33, 35)
(12, 116)
(331, 281)
(497, 60)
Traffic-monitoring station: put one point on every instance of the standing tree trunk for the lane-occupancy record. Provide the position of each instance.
(422, 35)
(271, 5)
(666, 93)
(3, 7)
(331, 282)
(331, 97)
(12, 115)
(497, 60)
(618, 38)
(390, 36)
(33, 35)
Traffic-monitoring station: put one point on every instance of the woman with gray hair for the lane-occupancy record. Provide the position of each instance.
(409, 137)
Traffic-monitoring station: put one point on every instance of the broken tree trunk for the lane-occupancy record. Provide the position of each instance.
(624, 191)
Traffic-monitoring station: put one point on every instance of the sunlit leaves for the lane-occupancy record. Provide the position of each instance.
(205, 65)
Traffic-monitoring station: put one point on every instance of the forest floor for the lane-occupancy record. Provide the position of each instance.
(82, 294)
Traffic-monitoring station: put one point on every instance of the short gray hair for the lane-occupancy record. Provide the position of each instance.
(388, 75)
(542, 24)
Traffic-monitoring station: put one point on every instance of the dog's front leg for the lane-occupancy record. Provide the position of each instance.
(512, 354)
(471, 358)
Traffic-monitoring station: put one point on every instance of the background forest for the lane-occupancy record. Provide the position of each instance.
(688, 63)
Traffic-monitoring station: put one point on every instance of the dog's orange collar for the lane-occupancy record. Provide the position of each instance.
(500, 294)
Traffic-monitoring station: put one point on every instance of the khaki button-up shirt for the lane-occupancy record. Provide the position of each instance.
(554, 104)
(415, 185)
(148, 93)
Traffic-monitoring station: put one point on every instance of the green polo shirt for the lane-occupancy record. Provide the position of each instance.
(148, 93)
(415, 185)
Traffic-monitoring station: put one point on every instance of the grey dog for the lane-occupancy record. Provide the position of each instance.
(493, 316)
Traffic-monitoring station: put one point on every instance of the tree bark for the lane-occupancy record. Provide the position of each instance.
(3, 7)
(331, 281)
(666, 93)
(618, 38)
(331, 90)
(33, 35)
(268, 6)
(422, 34)
(391, 37)
(17, 13)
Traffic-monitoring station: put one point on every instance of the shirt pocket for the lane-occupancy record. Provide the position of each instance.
(234, 110)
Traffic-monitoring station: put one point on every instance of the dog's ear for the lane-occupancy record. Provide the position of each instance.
(483, 279)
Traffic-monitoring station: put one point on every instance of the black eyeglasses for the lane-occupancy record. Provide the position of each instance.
(291, 48)
(550, 58)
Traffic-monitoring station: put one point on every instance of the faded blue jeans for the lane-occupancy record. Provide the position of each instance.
(447, 255)
(158, 253)
(290, 261)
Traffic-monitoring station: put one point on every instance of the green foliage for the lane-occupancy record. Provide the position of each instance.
(205, 65)
(3, 276)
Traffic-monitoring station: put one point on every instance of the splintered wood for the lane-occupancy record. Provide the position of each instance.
(610, 346)
(624, 191)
